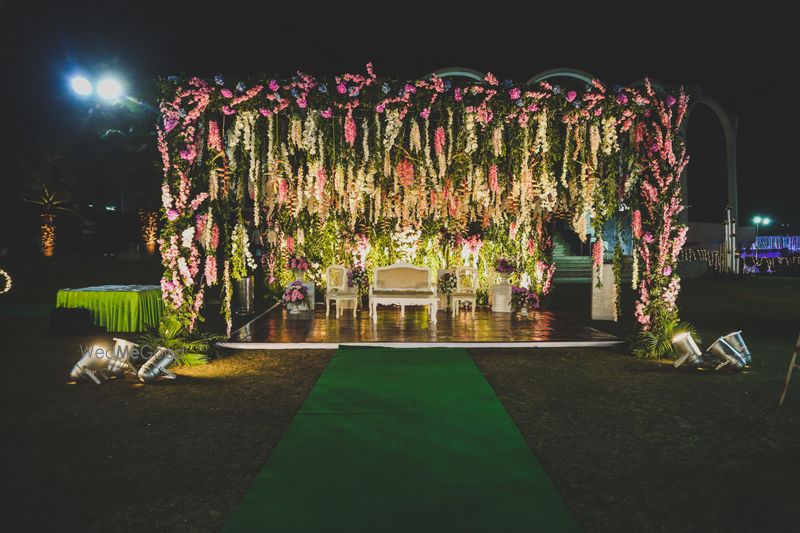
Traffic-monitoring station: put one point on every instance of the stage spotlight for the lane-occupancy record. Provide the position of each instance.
(109, 89)
(726, 354)
(687, 349)
(92, 365)
(119, 362)
(156, 366)
(81, 85)
(735, 339)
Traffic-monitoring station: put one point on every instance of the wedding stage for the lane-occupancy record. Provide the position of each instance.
(275, 329)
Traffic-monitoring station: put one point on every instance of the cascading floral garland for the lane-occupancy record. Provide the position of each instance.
(381, 169)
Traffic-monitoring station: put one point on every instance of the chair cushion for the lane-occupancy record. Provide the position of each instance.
(417, 293)
(464, 294)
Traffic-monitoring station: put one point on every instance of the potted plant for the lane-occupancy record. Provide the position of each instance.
(299, 265)
(504, 269)
(296, 297)
(447, 283)
(241, 263)
(357, 277)
(523, 299)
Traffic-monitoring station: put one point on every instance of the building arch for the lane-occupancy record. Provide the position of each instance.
(457, 72)
(562, 72)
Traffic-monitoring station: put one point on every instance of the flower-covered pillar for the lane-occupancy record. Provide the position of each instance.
(656, 231)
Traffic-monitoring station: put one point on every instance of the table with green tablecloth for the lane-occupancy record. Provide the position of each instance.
(124, 308)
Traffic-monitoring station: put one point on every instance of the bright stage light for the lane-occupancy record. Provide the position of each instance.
(727, 355)
(736, 340)
(687, 349)
(92, 365)
(766, 221)
(156, 367)
(109, 89)
(757, 220)
(81, 85)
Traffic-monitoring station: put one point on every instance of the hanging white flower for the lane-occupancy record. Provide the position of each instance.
(187, 236)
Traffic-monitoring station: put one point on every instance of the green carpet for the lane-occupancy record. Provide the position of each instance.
(402, 440)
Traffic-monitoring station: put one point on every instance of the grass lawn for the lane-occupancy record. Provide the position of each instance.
(631, 445)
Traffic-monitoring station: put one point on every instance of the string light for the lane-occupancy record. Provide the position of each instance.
(48, 234)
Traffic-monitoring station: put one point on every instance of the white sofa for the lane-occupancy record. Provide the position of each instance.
(403, 284)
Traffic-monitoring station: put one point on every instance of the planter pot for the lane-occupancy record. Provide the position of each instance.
(295, 308)
(503, 279)
(299, 276)
(243, 295)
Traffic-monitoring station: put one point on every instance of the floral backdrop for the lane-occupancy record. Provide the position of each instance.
(362, 170)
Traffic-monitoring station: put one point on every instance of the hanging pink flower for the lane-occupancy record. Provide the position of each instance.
(571, 95)
(210, 271)
(172, 215)
(326, 113)
(264, 111)
(273, 85)
(636, 224)
(214, 236)
(622, 98)
(405, 172)
(380, 108)
(514, 93)
(302, 103)
(289, 244)
(322, 178)
(425, 113)
(439, 140)
(226, 93)
(671, 100)
(214, 139)
(350, 128)
(457, 94)
(494, 186)
(597, 253)
(341, 88)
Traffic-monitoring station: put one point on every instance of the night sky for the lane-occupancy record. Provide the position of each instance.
(42, 45)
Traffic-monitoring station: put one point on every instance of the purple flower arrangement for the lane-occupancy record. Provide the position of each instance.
(358, 277)
(295, 292)
(297, 263)
(523, 298)
(504, 266)
(447, 283)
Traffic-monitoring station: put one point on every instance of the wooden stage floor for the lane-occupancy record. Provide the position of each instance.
(276, 329)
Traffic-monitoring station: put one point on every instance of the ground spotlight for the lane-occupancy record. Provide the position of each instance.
(92, 365)
(119, 362)
(688, 351)
(735, 339)
(81, 85)
(156, 366)
(726, 354)
(109, 89)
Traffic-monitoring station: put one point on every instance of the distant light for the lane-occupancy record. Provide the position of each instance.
(109, 89)
(111, 208)
(81, 85)
(766, 221)
(757, 220)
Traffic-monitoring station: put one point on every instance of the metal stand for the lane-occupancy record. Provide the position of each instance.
(792, 365)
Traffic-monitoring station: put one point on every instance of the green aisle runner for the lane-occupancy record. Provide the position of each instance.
(402, 440)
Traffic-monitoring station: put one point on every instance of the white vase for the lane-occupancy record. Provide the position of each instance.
(502, 279)
(299, 275)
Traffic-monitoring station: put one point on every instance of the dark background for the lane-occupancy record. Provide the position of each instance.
(105, 155)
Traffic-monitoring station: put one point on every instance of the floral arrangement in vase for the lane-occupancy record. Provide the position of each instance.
(447, 283)
(504, 269)
(523, 298)
(358, 278)
(299, 265)
(296, 296)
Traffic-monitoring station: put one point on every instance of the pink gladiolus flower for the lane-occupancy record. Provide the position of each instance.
(493, 183)
(636, 224)
(302, 103)
(350, 128)
(265, 112)
(571, 96)
(667, 270)
(515, 93)
(597, 253)
(326, 113)
(458, 95)
(533, 108)
(226, 93)
(598, 111)
(425, 113)
(227, 110)
(341, 88)
(439, 140)
(273, 85)
(380, 108)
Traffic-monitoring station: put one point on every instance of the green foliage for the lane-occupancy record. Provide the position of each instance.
(191, 349)
(657, 343)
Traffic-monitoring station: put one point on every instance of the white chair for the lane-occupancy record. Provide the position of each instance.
(337, 291)
(403, 284)
(466, 289)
